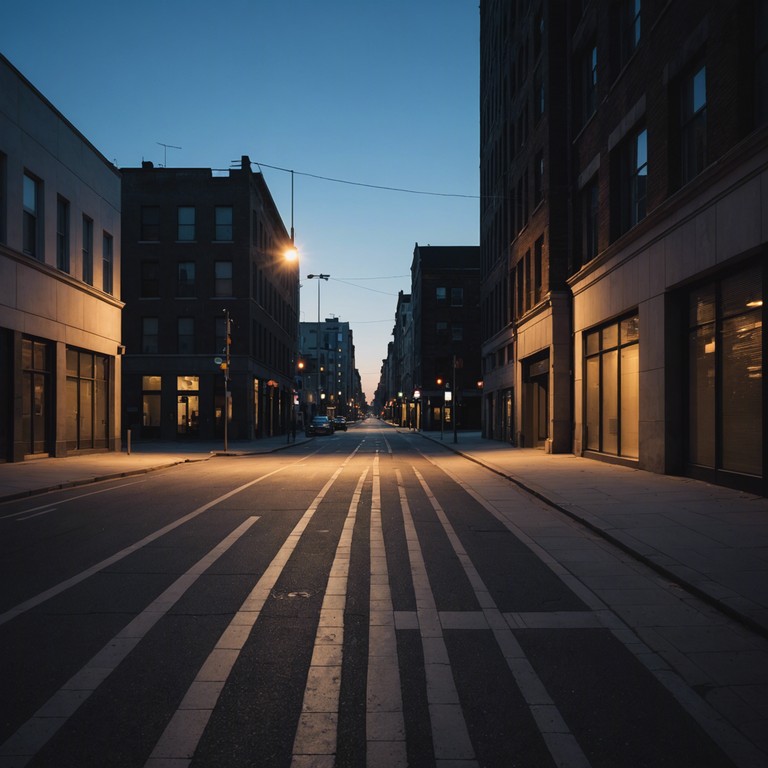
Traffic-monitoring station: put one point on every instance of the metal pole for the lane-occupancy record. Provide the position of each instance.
(455, 404)
(226, 389)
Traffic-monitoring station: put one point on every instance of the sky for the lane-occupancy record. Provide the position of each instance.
(353, 96)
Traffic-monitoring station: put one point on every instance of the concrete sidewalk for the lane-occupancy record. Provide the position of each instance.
(709, 539)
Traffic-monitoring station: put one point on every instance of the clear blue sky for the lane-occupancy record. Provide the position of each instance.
(379, 93)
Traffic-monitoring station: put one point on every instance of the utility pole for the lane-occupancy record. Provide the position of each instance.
(226, 382)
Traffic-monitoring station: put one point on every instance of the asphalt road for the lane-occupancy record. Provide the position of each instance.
(362, 599)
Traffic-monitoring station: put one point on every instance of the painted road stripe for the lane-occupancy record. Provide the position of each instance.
(179, 741)
(317, 733)
(384, 722)
(33, 602)
(450, 735)
(42, 726)
(561, 743)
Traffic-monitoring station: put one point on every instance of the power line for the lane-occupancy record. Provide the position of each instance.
(361, 184)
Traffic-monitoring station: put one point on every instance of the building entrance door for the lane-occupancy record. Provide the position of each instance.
(535, 411)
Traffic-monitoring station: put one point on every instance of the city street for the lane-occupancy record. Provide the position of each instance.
(364, 599)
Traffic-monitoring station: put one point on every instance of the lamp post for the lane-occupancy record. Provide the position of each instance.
(317, 364)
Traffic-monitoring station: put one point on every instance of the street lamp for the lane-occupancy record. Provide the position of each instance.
(317, 365)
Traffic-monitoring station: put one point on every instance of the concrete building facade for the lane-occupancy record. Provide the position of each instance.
(60, 296)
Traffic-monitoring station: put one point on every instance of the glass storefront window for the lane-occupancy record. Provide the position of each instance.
(612, 388)
(87, 397)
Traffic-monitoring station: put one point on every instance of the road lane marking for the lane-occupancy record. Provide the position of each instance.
(66, 501)
(179, 741)
(560, 742)
(317, 732)
(30, 738)
(44, 511)
(384, 720)
(33, 602)
(450, 735)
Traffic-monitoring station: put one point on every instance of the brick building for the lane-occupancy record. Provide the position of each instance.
(636, 337)
(202, 250)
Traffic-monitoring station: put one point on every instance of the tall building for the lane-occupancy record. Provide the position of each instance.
(211, 305)
(445, 295)
(662, 247)
(60, 307)
(329, 380)
(525, 305)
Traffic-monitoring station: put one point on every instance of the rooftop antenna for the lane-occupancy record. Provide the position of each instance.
(165, 151)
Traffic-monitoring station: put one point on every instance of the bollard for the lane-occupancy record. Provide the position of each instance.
(129, 442)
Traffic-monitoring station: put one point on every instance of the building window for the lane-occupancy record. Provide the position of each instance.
(150, 223)
(612, 388)
(538, 178)
(150, 280)
(150, 404)
(223, 282)
(633, 183)
(87, 250)
(185, 284)
(457, 297)
(87, 396)
(441, 295)
(224, 223)
(457, 332)
(149, 335)
(186, 224)
(629, 29)
(725, 373)
(220, 331)
(588, 84)
(539, 96)
(187, 405)
(588, 217)
(693, 125)
(107, 263)
(538, 249)
(520, 282)
(186, 335)
(62, 234)
(31, 204)
(36, 362)
(441, 329)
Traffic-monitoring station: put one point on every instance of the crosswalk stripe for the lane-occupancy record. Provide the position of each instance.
(40, 728)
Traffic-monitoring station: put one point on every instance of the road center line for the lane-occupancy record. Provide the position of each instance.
(384, 722)
(185, 729)
(41, 727)
(33, 602)
(450, 735)
(316, 734)
(561, 743)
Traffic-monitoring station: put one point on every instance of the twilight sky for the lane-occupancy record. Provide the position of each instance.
(384, 94)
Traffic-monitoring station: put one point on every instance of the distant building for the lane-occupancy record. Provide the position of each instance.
(60, 307)
(333, 385)
(624, 146)
(445, 296)
(201, 250)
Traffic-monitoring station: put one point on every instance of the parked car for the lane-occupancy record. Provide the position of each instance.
(339, 422)
(320, 425)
